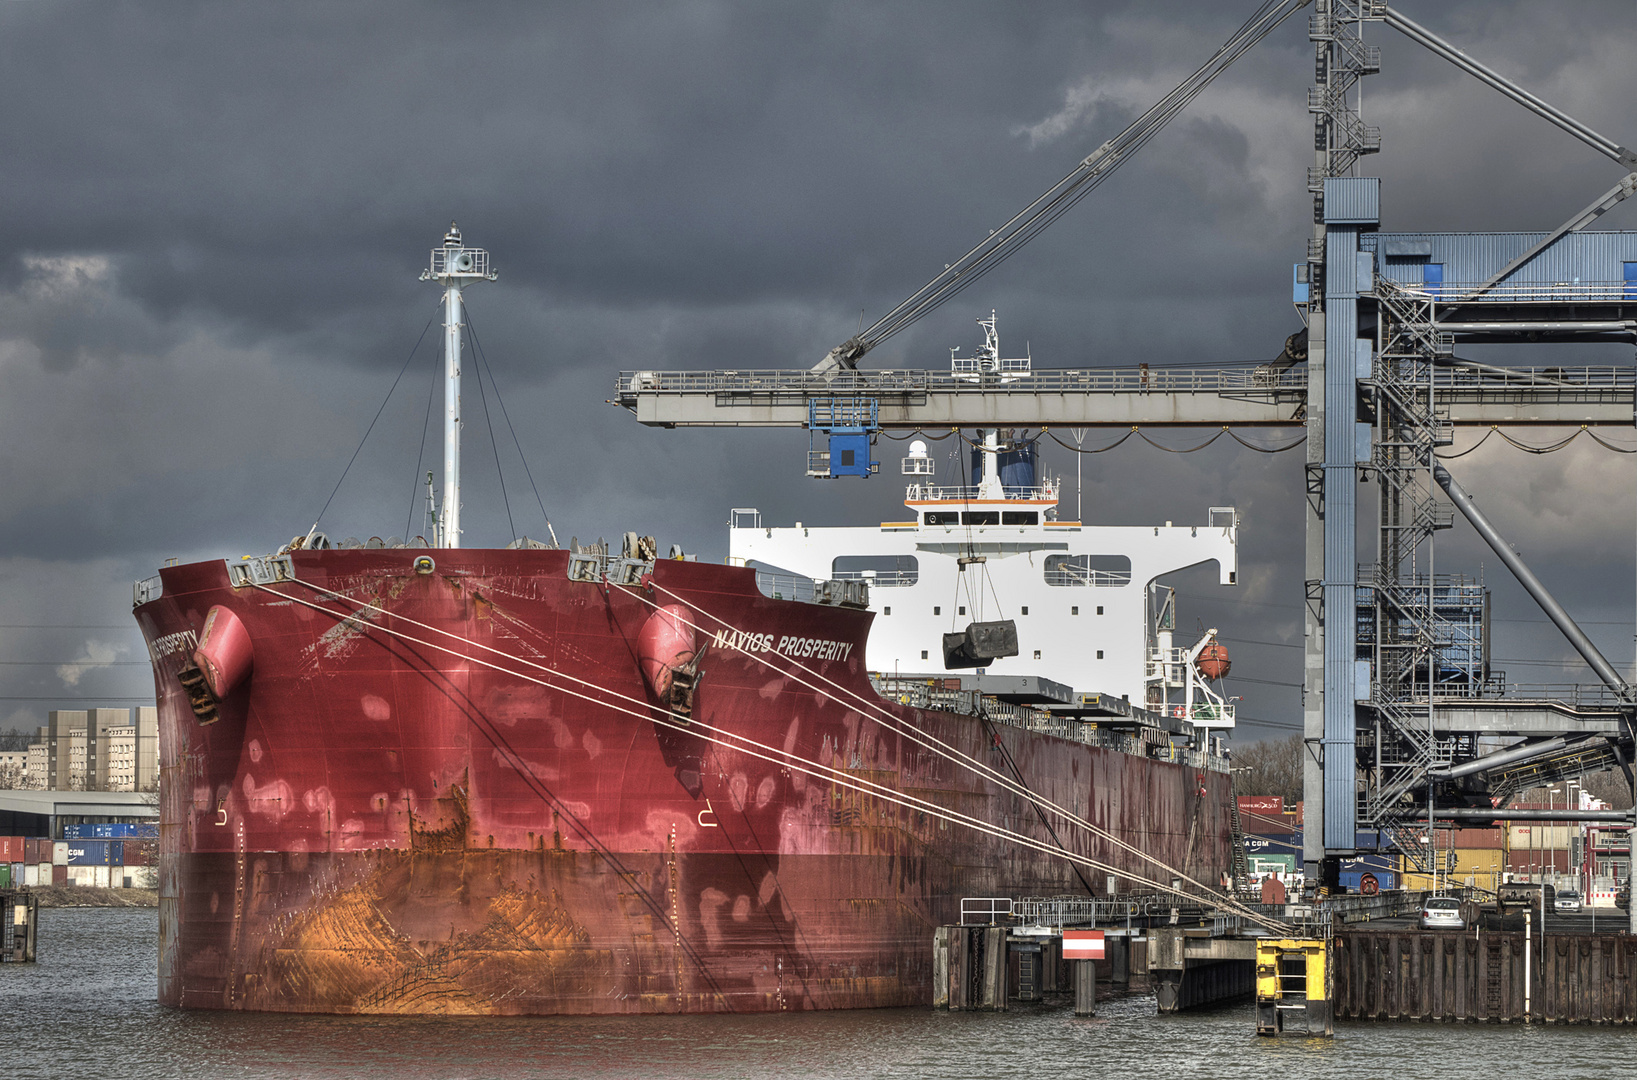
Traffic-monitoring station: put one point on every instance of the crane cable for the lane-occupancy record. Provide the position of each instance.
(936, 745)
(721, 737)
(1057, 200)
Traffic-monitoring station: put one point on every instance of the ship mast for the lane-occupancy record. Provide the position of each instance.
(454, 265)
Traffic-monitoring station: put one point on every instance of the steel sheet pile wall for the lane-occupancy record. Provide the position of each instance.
(1462, 975)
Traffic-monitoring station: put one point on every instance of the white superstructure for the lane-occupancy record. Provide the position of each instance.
(1079, 593)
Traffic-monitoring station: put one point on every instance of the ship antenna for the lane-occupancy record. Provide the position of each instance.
(454, 266)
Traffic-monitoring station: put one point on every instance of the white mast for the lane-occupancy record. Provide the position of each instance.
(453, 266)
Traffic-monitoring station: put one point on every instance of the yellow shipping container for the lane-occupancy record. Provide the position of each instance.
(1480, 868)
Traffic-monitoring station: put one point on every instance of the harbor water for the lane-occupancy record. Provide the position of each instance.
(87, 1009)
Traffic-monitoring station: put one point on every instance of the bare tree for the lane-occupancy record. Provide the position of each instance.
(13, 776)
(1609, 785)
(1269, 767)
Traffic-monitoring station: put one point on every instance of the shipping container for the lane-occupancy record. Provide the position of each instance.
(1477, 838)
(116, 852)
(5, 875)
(1261, 804)
(59, 874)
(1272, 844)
(81, 876)
(11, 849)
(88, 852)
(17, 874)
(59, 853)
(99, 876)
(31, 850)
(1353, 880)
(138, 853)
(73, 832)
(1269, 864)
(31, 874)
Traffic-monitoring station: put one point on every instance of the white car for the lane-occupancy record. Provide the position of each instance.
(1566, 901)
(1442, 913)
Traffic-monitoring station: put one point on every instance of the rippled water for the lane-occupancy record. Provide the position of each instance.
(87, 1010)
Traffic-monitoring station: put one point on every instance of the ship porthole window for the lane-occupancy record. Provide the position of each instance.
(937, 611)
(1099, 654)
(1025, 609)
(1099, 609)
(960, 611)
(923, 654)
(1074, 610)
(1037, 654)
(886, 611)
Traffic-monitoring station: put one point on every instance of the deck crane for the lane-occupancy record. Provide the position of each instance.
(1057, 200)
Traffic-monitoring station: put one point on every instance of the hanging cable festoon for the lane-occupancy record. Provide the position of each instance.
(644, 710)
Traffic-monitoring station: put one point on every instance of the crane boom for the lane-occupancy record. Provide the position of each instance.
(1096, 167)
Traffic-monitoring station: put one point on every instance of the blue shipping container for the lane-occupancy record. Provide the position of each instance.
(88, 853)
(1352, 879)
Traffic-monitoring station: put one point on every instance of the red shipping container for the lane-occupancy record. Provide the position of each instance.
(59, 875)
(136, 854)
(31, 850)
(1489, 839)
(11, 849)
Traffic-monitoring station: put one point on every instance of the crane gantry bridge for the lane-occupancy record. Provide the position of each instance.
(1398, 686)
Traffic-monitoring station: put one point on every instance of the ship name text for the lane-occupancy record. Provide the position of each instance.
(181, 641)
(748, 642)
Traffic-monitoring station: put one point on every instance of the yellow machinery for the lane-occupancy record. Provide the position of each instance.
(1293, 987)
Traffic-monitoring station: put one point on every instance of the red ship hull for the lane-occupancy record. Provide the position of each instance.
(409, 805)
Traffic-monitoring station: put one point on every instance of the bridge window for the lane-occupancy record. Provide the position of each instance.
(942, 517)
(1020, 517)
(1102, 571)
(981, 517)
(882, 571)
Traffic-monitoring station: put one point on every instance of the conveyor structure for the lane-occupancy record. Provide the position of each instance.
(1398, 684)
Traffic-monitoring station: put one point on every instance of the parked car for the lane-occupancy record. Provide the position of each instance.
(1442, 913)
(1622, 896)
(1567, 900)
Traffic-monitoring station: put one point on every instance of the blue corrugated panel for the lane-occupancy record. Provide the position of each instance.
(116, 853)
(73, 832)
(1352, 200)
(1471, 258)
(88, 853)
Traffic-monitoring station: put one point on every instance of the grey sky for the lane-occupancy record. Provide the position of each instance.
(215, 215)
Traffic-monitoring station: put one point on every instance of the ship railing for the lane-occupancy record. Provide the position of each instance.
(969, 492)
(922, 693)
(1060, 911)
(1207, 712)
(1523, 292)
(837, 592)
(985, 909)
(146, 589)
(753, 384)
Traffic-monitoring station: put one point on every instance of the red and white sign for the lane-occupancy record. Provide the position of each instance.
(1082, 945)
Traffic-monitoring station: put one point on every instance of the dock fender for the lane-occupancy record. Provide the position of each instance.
(225, 654)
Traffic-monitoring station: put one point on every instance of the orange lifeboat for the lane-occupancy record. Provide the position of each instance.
(1213, 661)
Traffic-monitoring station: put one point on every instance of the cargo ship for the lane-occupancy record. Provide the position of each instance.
(410, 778)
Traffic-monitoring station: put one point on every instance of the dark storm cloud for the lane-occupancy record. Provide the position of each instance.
(216, 213)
